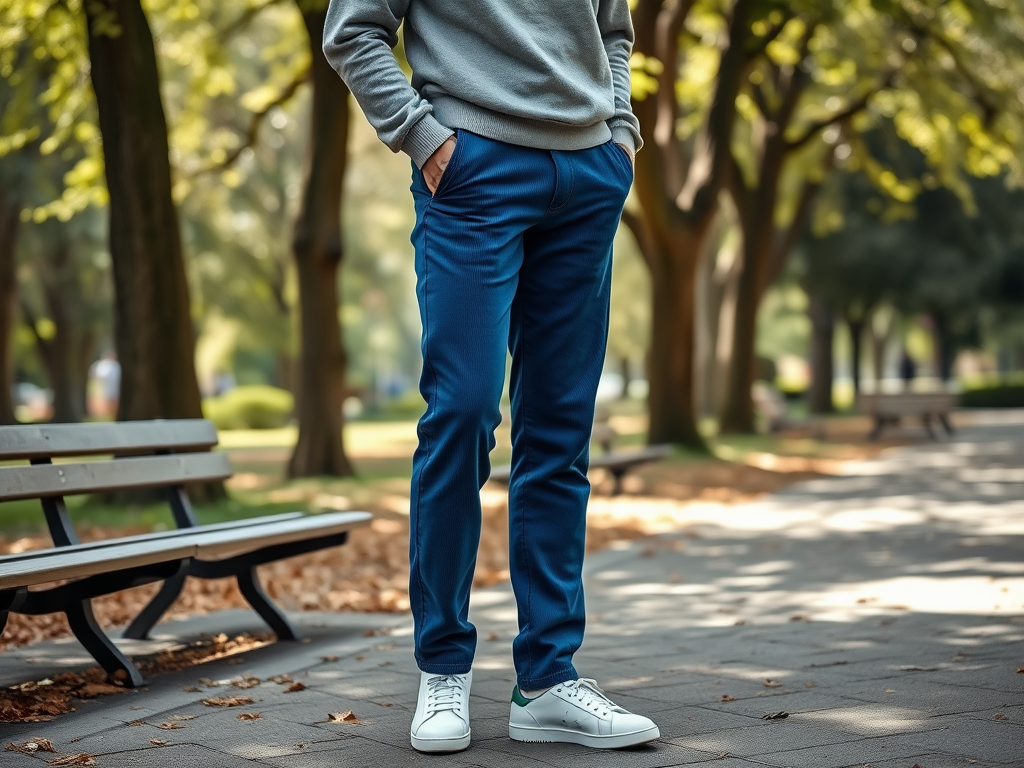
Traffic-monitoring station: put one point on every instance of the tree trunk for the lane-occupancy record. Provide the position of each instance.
(626, 371)
(822, 362)
(63, 352)
(671, 398)
(856, 327)
(10, 219)
(738, 411)
(318, 253)
(153, 324)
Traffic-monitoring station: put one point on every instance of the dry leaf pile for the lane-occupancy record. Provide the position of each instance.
(42, 700)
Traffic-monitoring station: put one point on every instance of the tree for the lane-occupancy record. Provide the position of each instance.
(850, 65)
(318, 253)
(10, 218)
(678, 177)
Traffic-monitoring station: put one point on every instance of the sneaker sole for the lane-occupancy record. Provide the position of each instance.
(440, 745)
(560, 735)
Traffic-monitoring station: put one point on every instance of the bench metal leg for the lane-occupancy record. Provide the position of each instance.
(617, 488)
(141, 625)
(83, 623)
(946, 425)
(876, 431)
(252, 591)
(927, 419)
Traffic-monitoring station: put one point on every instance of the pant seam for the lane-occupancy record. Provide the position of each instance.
(522, 495)
(426, 434)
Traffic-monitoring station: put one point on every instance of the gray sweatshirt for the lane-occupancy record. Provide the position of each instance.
(551, 74)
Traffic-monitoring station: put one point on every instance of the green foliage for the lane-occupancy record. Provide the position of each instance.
(1005, 395)
(250, 407)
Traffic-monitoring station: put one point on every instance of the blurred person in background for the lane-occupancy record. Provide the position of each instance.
(105, 378)
(521, 136)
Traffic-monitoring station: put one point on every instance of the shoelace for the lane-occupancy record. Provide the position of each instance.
(444, 693)
(589, 695)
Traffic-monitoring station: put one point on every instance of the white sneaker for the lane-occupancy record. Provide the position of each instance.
(577, 712)
(441, 722)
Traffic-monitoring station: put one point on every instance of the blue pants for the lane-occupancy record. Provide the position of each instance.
(514, 249)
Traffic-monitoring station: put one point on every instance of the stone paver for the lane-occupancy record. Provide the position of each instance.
(883, 610)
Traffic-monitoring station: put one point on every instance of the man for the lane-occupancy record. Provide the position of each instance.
(519, 127)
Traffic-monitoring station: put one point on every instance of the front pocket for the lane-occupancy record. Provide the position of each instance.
(453, 163)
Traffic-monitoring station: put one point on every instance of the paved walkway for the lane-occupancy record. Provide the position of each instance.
(883, 611)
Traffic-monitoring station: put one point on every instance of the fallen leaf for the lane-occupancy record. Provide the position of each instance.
(209, 683)
(170, 726)
(328, 658)
(249, 716)
(915, 668)
(191, 689)
(343, 717)
(775, 716)
(246, 681)
(32, 746)
(184, 717)
(739, 622)
(1020, 670)
(227, 701)
(722, 756)
(137, 722)
(810, 684)
(772, 684)
(158, 742)
(82, 758)
(89, 690)
(890, 690)
(360, 657)
(295, 687)
(300, 746)
(492, 637)
(383, 703)
(800, 617)
(1000, 717)
(280, 679)
(727, 697)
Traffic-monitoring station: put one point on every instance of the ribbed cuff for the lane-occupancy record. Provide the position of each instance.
(423, 139)
(624, 136)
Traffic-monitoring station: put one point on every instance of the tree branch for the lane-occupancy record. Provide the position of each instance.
(758, 45)
(255, 122)
(844, 114)
(712, 152)
(245, 18)
(668, 27)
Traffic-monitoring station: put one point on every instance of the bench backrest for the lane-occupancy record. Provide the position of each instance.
(40, 444)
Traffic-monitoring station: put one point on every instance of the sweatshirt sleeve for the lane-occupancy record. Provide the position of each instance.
(358, 38)
(617, 33)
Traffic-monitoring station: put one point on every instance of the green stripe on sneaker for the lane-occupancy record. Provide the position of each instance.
(518, 698)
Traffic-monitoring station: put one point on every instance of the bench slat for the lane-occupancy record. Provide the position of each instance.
(99, 544)
(46, 480)
(52, 440)
(210, 545)
(56, 565)
(222, 544)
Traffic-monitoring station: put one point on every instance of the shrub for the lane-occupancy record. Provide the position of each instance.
(993, 396)
(250, 407)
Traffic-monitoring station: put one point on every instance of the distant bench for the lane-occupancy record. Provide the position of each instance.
(617, 463)
(888, 409)
(230, 549)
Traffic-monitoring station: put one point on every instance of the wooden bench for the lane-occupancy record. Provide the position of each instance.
(145, 459)
(889, 408)
(618, 463)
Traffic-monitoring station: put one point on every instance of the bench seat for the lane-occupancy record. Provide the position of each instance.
(205, 543)
(616, 462)
(66, 577)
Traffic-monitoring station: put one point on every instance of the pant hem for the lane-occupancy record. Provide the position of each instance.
(444, 669)
(560, 676)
